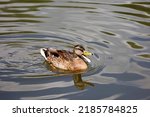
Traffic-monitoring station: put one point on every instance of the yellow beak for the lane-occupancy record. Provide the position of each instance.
(86, 53)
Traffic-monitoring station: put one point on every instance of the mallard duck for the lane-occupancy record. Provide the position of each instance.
(65, 60)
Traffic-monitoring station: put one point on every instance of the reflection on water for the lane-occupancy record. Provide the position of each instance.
(134, 45)
(116, 32)
(79, 83)
(144, 55)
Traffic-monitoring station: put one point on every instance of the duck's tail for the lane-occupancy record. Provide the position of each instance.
(43, 52)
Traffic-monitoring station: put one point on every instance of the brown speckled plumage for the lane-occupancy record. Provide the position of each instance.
(66, 60)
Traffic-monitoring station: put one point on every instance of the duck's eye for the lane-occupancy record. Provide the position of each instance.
(81, 50)
(55, 54)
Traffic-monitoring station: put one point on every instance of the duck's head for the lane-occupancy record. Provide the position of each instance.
(80, 51)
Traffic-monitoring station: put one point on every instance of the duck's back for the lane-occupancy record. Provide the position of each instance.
(66, 60)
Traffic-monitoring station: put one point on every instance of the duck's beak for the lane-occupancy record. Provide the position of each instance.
(86, 53)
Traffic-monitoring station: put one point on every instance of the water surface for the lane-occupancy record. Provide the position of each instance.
(115, 31)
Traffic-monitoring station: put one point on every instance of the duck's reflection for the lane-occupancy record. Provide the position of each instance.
(79, 83)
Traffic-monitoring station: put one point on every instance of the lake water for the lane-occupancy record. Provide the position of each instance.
(117, 32)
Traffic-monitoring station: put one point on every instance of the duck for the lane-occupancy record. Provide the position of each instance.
(73, 61)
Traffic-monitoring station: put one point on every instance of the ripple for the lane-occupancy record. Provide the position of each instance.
(141, 17)
(134, 45)
(108, 33)
(53, 40)
(22, 15)
(136, 6)
(133, 14)
(144, 55)
(20, 20)
(15, 32)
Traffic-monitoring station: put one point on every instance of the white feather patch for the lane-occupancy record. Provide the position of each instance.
(43, 53)
(87, 59)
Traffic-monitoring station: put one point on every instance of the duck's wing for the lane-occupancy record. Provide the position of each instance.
(66, 55)
(49, 53)
(53, 53)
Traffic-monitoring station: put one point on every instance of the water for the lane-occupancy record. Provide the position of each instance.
(115, 31)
